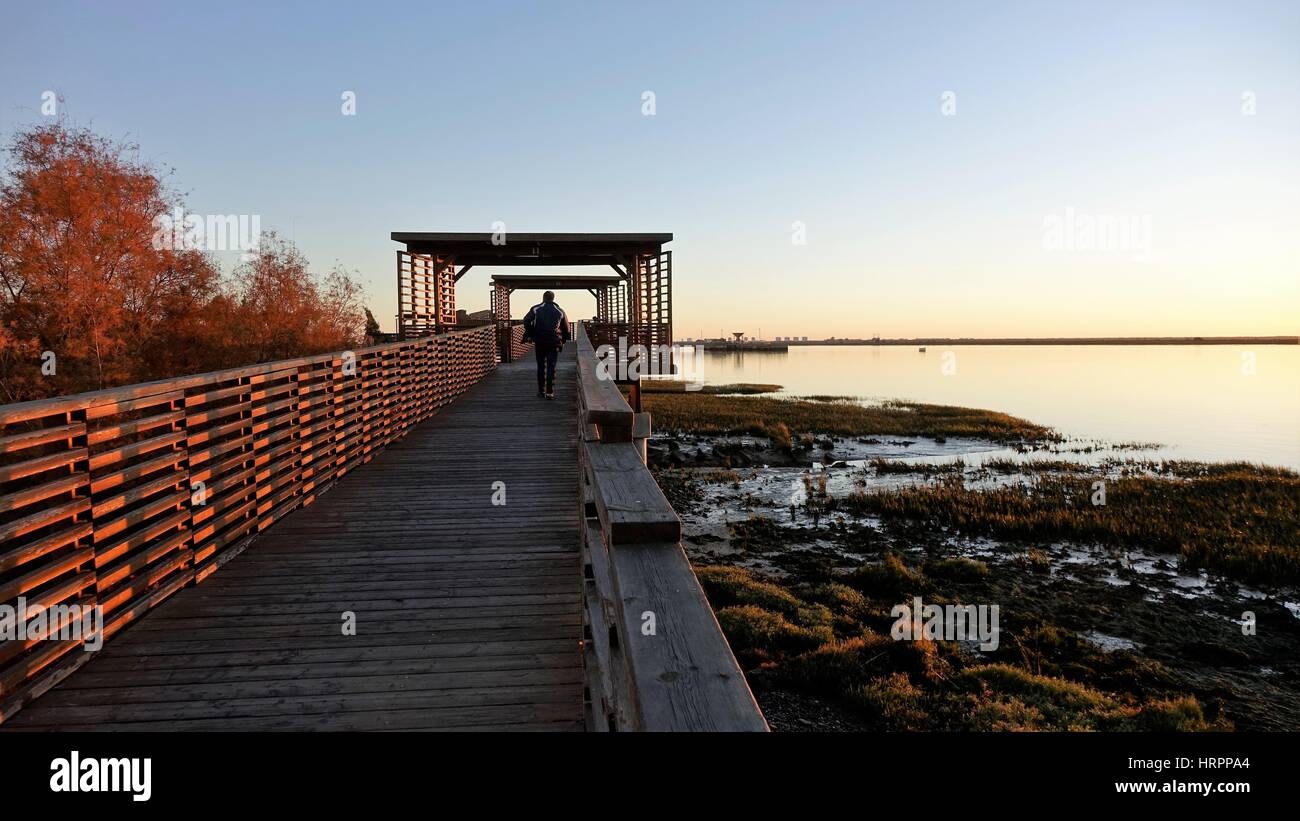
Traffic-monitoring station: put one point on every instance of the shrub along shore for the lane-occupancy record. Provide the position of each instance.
(831, 640)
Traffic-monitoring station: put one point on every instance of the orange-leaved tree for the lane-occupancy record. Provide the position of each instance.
(281, 310)
(88, 299)
(84, 295)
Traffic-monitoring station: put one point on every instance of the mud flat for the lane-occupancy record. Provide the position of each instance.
(1173, 606)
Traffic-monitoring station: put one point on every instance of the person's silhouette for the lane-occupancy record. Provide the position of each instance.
(548, 328)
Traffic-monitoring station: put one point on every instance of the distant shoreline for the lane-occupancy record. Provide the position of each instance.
(1087, 340)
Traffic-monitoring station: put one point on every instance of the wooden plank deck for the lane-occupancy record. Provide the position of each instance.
(468, 614)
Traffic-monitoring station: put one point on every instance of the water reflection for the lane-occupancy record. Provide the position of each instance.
(1210, 402)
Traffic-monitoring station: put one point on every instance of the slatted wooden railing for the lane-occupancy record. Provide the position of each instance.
(518, 347)
(120, 497)
(640, 333)
(510, 341)
(655, 656)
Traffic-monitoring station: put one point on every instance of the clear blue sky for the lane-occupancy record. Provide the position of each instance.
(766, 114)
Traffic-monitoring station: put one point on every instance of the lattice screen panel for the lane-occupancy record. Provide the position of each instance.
(654, 297)
(501, 316)
(426, 294)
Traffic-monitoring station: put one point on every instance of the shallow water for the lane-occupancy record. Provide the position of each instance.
(771, 491)
(1206, 402)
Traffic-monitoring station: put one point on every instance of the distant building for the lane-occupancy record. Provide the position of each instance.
(471, 320)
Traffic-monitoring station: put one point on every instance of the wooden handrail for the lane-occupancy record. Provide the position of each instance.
(603, 404)
(655, 656)
(120, 497)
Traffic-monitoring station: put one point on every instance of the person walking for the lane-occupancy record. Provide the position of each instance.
(547, 326)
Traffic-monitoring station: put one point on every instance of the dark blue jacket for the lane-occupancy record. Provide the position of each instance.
(546, 325)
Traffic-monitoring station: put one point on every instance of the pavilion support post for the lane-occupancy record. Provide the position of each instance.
(655, 304)
(618, 303)
(633, 296)
(445, 295)
(501, 319)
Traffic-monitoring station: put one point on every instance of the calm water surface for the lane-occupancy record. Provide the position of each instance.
(1212, 402)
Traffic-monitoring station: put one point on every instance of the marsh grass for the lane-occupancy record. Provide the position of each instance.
(731, 586)
(827, 397)
(1195, 470)
(1003, 697)
(957, 568)
(1011, 466)
(763, 635)
(780, 434)
(1181, 469)
(887, 466)
(757, 534)
(1243, 523)
(889, 579)
(701, 413)
(735, 388)
(827, 639)
(1034, 560)
(719, 476)
(766, 620)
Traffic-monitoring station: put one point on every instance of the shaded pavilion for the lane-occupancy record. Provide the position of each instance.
(636, 303)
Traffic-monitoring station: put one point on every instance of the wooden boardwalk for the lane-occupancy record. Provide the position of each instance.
(468, 615)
